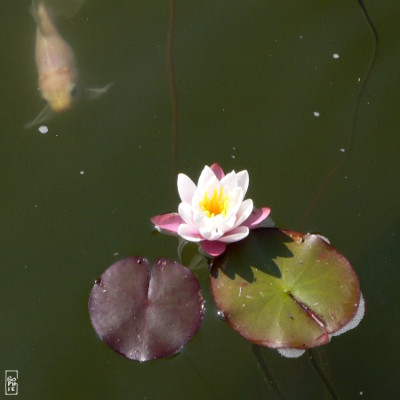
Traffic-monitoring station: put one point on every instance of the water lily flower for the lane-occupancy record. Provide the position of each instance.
(213, 213)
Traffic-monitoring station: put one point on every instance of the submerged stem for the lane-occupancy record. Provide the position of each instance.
(321, 375)
(171, 73)
(367, 74)
(269, 378)
(213, 394)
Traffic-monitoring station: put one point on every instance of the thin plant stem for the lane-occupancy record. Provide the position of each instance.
(172, 86)
(322, 375)
(269, 378)
(333, 171)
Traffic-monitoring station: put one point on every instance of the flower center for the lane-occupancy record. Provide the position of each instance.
(216, 205)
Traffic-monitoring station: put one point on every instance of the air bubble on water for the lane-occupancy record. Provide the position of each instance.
(43, 129)
(291, 353)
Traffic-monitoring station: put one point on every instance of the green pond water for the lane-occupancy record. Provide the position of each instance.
(271, 87)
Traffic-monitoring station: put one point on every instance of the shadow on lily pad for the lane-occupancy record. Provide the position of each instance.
(146, 316)
(286, 290)
(261, 248)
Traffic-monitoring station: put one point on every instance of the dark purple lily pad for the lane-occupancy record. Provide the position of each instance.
(143, 316)
(285, 289)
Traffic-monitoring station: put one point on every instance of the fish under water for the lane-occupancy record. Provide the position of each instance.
(58, 76)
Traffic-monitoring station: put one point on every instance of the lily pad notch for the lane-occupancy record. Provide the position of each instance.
(144, 315)
(286, 290)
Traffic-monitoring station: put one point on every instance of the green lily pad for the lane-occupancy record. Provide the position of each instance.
(284, 289)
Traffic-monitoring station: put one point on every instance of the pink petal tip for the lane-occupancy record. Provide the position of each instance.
(213, 248)
(218, 171)
(256, 217)
(167, 222)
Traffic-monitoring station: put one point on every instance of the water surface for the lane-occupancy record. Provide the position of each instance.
(270, 87)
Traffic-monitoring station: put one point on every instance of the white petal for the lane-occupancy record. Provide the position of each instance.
(213, 234)
(210, 185)
(205, 175)
(243, 180)
(200, 220)
(185, 212)
(235, 200)
(186, 188)
(235, 235)
(188, 233)
(229, 182)
(227, 223)
(204, 223)
(244, 211)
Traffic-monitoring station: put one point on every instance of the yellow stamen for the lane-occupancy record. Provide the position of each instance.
(216, 205)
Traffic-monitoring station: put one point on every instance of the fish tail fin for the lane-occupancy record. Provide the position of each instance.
(34, 10)
(43, 17)
(57, 8)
